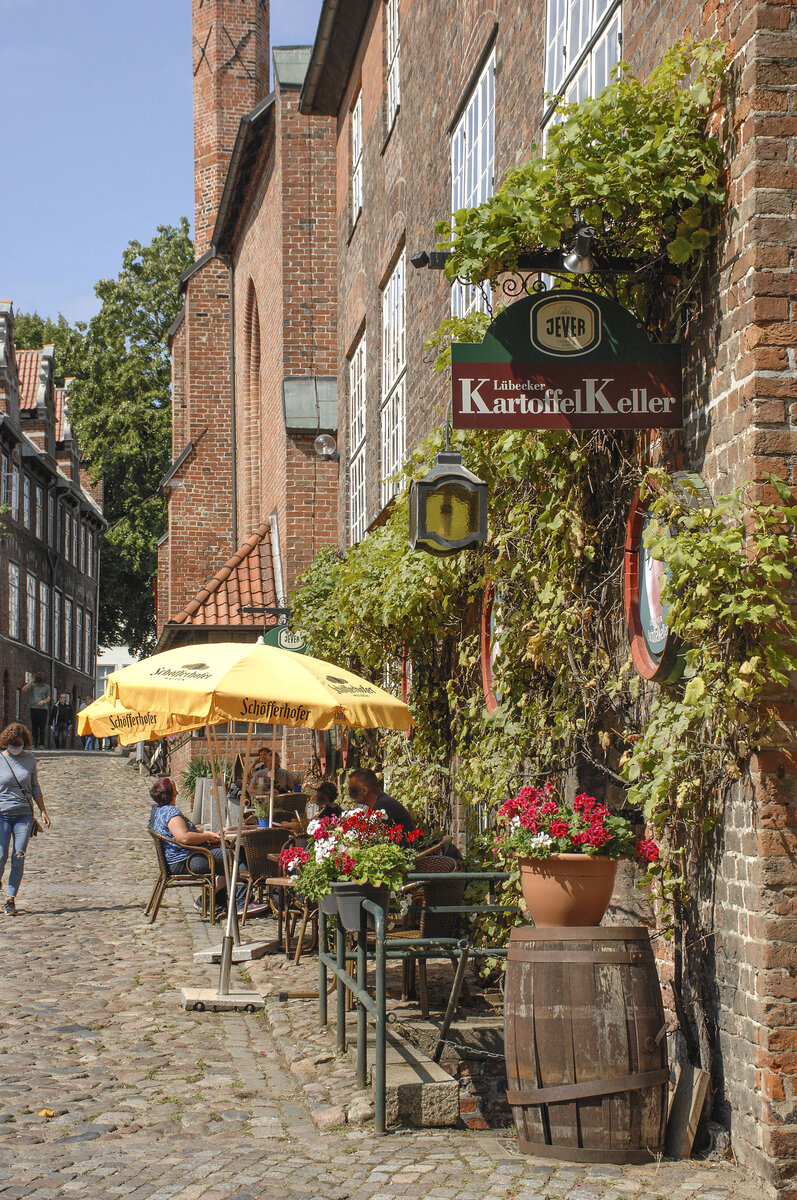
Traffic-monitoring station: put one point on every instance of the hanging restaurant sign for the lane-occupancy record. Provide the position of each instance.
(566, 360)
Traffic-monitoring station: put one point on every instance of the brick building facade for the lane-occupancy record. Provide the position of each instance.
(432, 104)
(254, 349)
(49, 534)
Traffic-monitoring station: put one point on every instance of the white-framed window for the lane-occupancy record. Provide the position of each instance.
(44, 617)
(583, 42)
(68, 631)
(357, 157)
(13, 600)
(30, 598)
(39, 511)
(51, 510)
(78, 637)
(75, 534)
(26, 501)
(472, 169)
(67, 533)
(357, 492)
(15, 493)
(90, 553)
(392, 48)
(83, 547)
(394, 368)
(57, 603)
(5, 481)
(88, 658)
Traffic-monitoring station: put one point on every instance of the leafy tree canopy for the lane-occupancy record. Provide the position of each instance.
(121, 411)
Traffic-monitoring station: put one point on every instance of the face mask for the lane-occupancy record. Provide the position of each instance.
(15, 749)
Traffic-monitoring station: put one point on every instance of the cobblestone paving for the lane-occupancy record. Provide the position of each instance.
(109, 1088)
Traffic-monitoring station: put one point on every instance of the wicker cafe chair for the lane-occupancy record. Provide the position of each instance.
(258, 847)
(424, 924)
(206, 880)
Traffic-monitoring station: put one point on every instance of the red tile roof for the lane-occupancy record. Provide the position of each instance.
(247, 578)
(28, 367)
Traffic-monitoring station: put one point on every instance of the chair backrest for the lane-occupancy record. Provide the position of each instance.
(257, 845)
(159, 851)
(446, 891)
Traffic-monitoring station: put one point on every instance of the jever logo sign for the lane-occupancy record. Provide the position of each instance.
(566, 361)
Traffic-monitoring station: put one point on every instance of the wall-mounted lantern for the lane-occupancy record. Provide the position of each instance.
(448, 507)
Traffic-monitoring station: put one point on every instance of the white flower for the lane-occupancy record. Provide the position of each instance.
(312, 826)
(540, 841)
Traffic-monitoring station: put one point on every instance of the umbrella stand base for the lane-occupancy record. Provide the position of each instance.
(209, 1000)
(245, 952)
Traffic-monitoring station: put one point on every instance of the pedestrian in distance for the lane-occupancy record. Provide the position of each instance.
(62, 719)
(88, 739)
(40, 699)
(19, 789)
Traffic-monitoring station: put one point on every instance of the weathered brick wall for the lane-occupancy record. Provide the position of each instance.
(200, 506)
(740, 396)
(230, 63)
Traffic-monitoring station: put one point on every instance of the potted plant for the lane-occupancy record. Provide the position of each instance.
(359, 854)
(566, 853)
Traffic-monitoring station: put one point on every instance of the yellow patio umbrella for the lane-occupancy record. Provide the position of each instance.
(109, 718)
(233, 681)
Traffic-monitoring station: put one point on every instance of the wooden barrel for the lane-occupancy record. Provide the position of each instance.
(586, 1055)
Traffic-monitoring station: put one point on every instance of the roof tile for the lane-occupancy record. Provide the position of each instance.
(246, 579)
(28, 367)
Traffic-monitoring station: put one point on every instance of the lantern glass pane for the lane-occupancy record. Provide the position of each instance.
(452, 512)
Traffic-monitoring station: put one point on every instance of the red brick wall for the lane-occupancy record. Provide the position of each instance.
(200, 505)
(285, 289)
(740, 410)
(230, 64)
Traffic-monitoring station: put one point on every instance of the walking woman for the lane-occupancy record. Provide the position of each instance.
(19, 787)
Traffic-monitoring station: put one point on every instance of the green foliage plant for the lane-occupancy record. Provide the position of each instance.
(729, 568)
(201, 767)
(636, 164)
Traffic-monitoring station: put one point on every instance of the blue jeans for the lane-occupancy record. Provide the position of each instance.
(14, 835)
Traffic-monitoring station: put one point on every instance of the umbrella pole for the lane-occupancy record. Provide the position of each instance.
(272, 772)
(232, 908)
(212, 755)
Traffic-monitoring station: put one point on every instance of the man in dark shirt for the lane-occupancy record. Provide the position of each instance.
(365, 789)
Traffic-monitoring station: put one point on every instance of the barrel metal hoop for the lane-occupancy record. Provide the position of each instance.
(563, 1092)
(580, 933)
(580, 956)
(584, 1155)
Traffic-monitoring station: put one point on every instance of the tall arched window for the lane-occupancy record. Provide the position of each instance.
(248, 423)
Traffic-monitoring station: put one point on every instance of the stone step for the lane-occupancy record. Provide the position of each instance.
(418, 1092)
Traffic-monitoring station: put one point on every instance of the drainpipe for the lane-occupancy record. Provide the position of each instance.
(233, 431)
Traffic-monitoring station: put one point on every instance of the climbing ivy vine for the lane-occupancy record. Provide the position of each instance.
(637, 165)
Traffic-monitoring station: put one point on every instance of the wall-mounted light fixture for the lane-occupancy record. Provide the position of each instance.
(326, 447)
(448, 507)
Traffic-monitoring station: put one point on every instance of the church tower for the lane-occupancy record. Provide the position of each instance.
(230, 64)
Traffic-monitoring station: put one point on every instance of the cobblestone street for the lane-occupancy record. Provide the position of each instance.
(109, 1088)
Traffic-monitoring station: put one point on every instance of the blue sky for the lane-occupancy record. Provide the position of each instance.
(98, 141)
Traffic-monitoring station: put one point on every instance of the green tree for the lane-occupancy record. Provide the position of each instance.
(32, 331)
(120, 409)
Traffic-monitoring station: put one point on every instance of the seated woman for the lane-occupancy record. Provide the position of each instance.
(326, 798)
(167, 820)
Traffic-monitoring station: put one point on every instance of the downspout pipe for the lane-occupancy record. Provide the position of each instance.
(233, 427)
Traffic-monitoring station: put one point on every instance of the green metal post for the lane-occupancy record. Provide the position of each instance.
(362, 1014)
(340, 962)
(380, 1053)
(322, 968)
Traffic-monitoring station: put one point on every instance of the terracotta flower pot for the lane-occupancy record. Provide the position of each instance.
(567, 889)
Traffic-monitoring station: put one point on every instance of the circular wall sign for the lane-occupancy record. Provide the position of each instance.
(657, 654)
(492, 628)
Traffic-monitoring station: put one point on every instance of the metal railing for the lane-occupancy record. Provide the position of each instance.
(381, 950)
